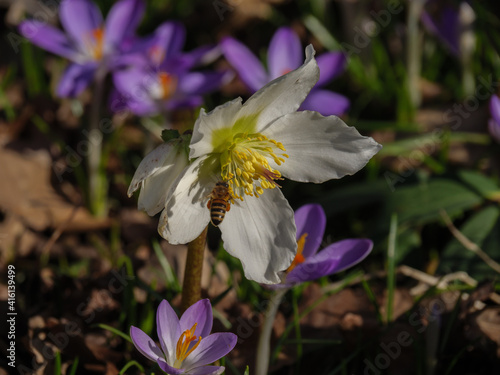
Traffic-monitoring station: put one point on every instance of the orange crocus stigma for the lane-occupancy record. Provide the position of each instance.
(97, 43)
(168, 84)
(299, 258)
(183, 345)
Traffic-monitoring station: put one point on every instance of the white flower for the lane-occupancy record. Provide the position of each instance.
(250, 146)
(157, 172)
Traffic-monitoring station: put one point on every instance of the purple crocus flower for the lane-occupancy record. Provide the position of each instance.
(94, 46)
(442, 19)
(163, 81)
(494, 123)
(284, 55)
(309, 264)
(186, 345)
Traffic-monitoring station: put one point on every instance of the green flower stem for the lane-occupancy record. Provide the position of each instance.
(97, 189)
(264, 345)
(191, 287)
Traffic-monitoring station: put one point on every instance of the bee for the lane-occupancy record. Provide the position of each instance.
(219, 202)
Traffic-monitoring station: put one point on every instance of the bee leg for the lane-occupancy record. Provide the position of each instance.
(228, 206)
(209, 204)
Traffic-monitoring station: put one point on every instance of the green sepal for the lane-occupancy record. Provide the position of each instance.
(169, 134)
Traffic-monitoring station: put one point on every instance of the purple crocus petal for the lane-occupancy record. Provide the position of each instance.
(169, 369)
(494, 128)
(199, 83)
(134, 83)
(207, 370)
(168, 328)
(48, 38)
(145, 344)
(116, 62)
(330, 64)
(203, 55)
(201, 314)
(122, 21)
(284, 53)
(188, 102)
(210, 349)
(249, 68)
(138, 107)
(177, 65)
(80, 18)
(445, 25)
(308, 271)
(169, 39)
(495, 108)
(334, 258)
(75, 79)
(326, 102)
(310, 219)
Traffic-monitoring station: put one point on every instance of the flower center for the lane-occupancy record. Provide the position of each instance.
(184, 347)
(246, 162)
(299, 258)
(96, 43)
(168, 84)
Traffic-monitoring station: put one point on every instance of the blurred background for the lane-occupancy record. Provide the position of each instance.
(419, 77)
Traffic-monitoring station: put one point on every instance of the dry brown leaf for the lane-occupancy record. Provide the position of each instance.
(26, 191)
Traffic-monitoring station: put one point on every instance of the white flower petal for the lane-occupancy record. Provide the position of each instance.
(320, 148)
(186, 213)
(149, 165)
(261, 233)
(281, 96)
(156, 173)
(207, 124)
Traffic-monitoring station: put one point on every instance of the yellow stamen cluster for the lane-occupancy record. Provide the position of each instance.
(246, 162)
(182, 350)
(299, 258)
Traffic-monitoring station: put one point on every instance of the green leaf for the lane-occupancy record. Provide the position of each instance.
(428, 143)
(115, 331)
(483, 228)
(420, 204)
(74, 366)
(485, 186)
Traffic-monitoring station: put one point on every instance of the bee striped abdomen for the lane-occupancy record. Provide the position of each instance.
(219, 202)
(217, 211)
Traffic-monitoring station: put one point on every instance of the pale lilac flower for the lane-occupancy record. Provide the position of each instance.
(309, 264)
(494, 123)
(186, 345)
(163, 80)
(94, 46)
(251, 146)
(285, 55)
